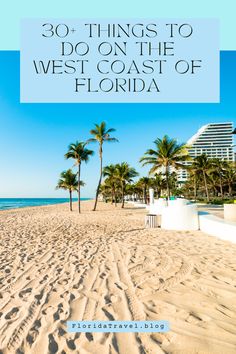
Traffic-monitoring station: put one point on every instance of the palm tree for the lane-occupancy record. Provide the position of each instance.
(193, 180)
(230, 177)
(202, 165)
(133, 190)
(125, 174)
(111, 180)
(101, 135)
(144, 183)
(79, 153)
(158, 183)
(68, 181)
(220, 166)
(106, 190)
(168, 153)
(173, 182)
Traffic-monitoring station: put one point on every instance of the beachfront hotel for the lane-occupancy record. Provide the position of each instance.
(213, 139)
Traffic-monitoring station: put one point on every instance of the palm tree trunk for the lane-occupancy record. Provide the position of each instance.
(100, 178)
(123, 196)
(79, 186)
(230, 189)
(115, 196)
(215, 191)
(145, 195)
(206, 187)
(221, 188)
(70, 192)
(167, 183)
(112, 196)
(195, 187)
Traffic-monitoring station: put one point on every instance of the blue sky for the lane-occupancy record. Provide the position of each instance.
(10, 20)
(34, 137)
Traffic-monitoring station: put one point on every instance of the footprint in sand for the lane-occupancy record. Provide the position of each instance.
(12, 314)
(24, 293)
(78, 287)
(103, 275)
(53, 346)
(62, 282)
(59, 270)
(44, 279)
(31, 336)
(48, 312)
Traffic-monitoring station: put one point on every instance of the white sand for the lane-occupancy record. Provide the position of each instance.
(57, 266)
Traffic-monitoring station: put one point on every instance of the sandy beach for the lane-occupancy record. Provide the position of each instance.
(57, 266)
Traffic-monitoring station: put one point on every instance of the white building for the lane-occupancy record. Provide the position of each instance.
(214, 140)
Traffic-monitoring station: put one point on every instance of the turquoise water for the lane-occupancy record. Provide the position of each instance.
(12, 203)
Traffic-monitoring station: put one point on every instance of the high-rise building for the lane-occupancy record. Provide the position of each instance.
(214, 140)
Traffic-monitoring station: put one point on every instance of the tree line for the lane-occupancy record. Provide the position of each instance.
(207, 177)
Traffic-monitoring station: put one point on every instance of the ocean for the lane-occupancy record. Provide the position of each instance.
(12, 203)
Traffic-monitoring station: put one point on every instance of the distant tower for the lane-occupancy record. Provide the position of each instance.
(214, 140)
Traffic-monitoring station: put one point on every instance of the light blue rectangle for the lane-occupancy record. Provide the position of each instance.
(118, 326)
(67, 45)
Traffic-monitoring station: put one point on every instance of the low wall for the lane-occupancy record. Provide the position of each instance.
(180, 217)
(212, 225)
